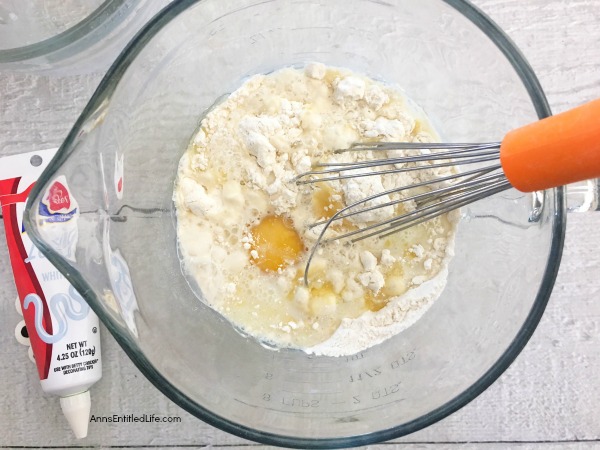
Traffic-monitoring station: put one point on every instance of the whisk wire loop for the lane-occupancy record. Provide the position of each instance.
(443, 194)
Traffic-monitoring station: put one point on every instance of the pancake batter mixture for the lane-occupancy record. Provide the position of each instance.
(243, 222)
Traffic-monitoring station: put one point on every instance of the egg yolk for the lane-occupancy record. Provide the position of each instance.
(276, 243)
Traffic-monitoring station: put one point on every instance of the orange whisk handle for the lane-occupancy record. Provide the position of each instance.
(553, 152)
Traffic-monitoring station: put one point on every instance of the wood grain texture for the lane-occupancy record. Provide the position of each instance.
(550, 397)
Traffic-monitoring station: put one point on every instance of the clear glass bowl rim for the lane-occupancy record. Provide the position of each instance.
(88, 25)
(103, 94)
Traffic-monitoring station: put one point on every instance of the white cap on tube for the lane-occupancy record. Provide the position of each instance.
(76, 409)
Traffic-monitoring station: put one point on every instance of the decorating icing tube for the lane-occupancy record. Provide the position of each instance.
(63, 331)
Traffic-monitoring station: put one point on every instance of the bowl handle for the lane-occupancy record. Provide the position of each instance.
(583, 196)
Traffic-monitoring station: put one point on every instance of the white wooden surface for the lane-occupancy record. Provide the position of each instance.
(550, 397)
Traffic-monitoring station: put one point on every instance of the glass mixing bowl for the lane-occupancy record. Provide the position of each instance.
(70, 35)
(120, 162)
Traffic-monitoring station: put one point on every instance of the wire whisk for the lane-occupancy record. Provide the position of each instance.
(549, 153)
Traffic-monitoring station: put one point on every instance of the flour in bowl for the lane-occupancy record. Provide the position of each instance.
(243, 221)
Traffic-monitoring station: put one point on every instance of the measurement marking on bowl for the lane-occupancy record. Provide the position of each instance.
(316, 412)
(354, 378)
(317, 402)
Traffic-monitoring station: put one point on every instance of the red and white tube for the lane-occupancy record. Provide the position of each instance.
(63, 331)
